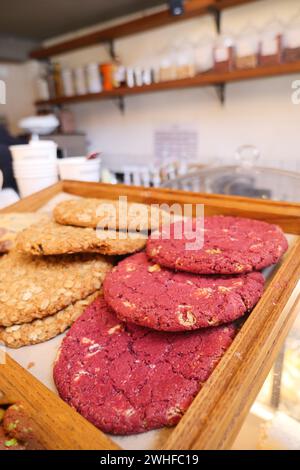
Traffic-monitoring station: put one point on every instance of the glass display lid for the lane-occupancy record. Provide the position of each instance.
(243, 179)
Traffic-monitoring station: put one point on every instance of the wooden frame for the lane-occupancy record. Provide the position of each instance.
(216, 415)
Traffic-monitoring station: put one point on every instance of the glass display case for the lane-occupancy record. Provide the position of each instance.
(274, 420)
(243, 179)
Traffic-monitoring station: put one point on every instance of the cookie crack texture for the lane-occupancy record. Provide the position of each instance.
(167, 301)
(137, 379)
(232, 245)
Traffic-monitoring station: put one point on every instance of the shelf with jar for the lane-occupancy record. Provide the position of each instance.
(275, 50)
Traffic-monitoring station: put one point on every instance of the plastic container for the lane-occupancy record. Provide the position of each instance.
(291, 41)
(79, 169)
(247, 49)
(270, 49)
(68, 82)
(80, 81)
(223, 54)
(30, 185)
(20, 171)
(35, 151)
(93, 77)
(130, 80)
(107, 71)
(34, 165)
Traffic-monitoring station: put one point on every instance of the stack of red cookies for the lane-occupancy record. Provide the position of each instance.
(168, 316)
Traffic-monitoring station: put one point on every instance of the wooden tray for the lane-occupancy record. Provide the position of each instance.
(217, 413)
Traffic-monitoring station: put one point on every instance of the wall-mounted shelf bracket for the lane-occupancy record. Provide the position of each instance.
(112, 49)
(220, 90)
(121, 104)
(217, 17)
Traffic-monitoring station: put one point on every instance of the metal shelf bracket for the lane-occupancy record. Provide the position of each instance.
(112, 49)
(121, 104)
(217, 17)
(220, 90)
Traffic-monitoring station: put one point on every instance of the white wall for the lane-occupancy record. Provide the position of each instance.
(257, 112)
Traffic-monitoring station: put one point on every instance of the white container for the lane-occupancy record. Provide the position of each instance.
(26, 173)
(34, 165)
(43, 150)
(68, 82)
(80, 81)
(79, 169)
(29, 185)
(94, 82)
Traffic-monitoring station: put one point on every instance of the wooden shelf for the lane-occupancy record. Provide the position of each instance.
(205, 79)
(193, 8)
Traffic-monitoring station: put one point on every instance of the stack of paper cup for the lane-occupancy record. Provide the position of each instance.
(79, 169)
(34, 165)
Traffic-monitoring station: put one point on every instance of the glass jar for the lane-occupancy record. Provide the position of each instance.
(80, 81)
(223, 54)
(93, 78)
(185, 60)
(167, 65)
(247, 49)
(204, 55)
(291, 41)
(68, 82)
(271, 44)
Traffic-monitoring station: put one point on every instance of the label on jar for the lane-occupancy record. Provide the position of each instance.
(292, 39)
(221, 54)
(269, 46)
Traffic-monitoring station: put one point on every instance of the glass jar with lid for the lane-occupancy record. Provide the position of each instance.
(291, 40)
(167, 64)
(204, 54)
(223, 53)
(185, 59)
(271, 43)
(247, 49)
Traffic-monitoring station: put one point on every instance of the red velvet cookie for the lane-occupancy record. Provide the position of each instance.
(127, 379)
(231, 245)
(142, 292)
